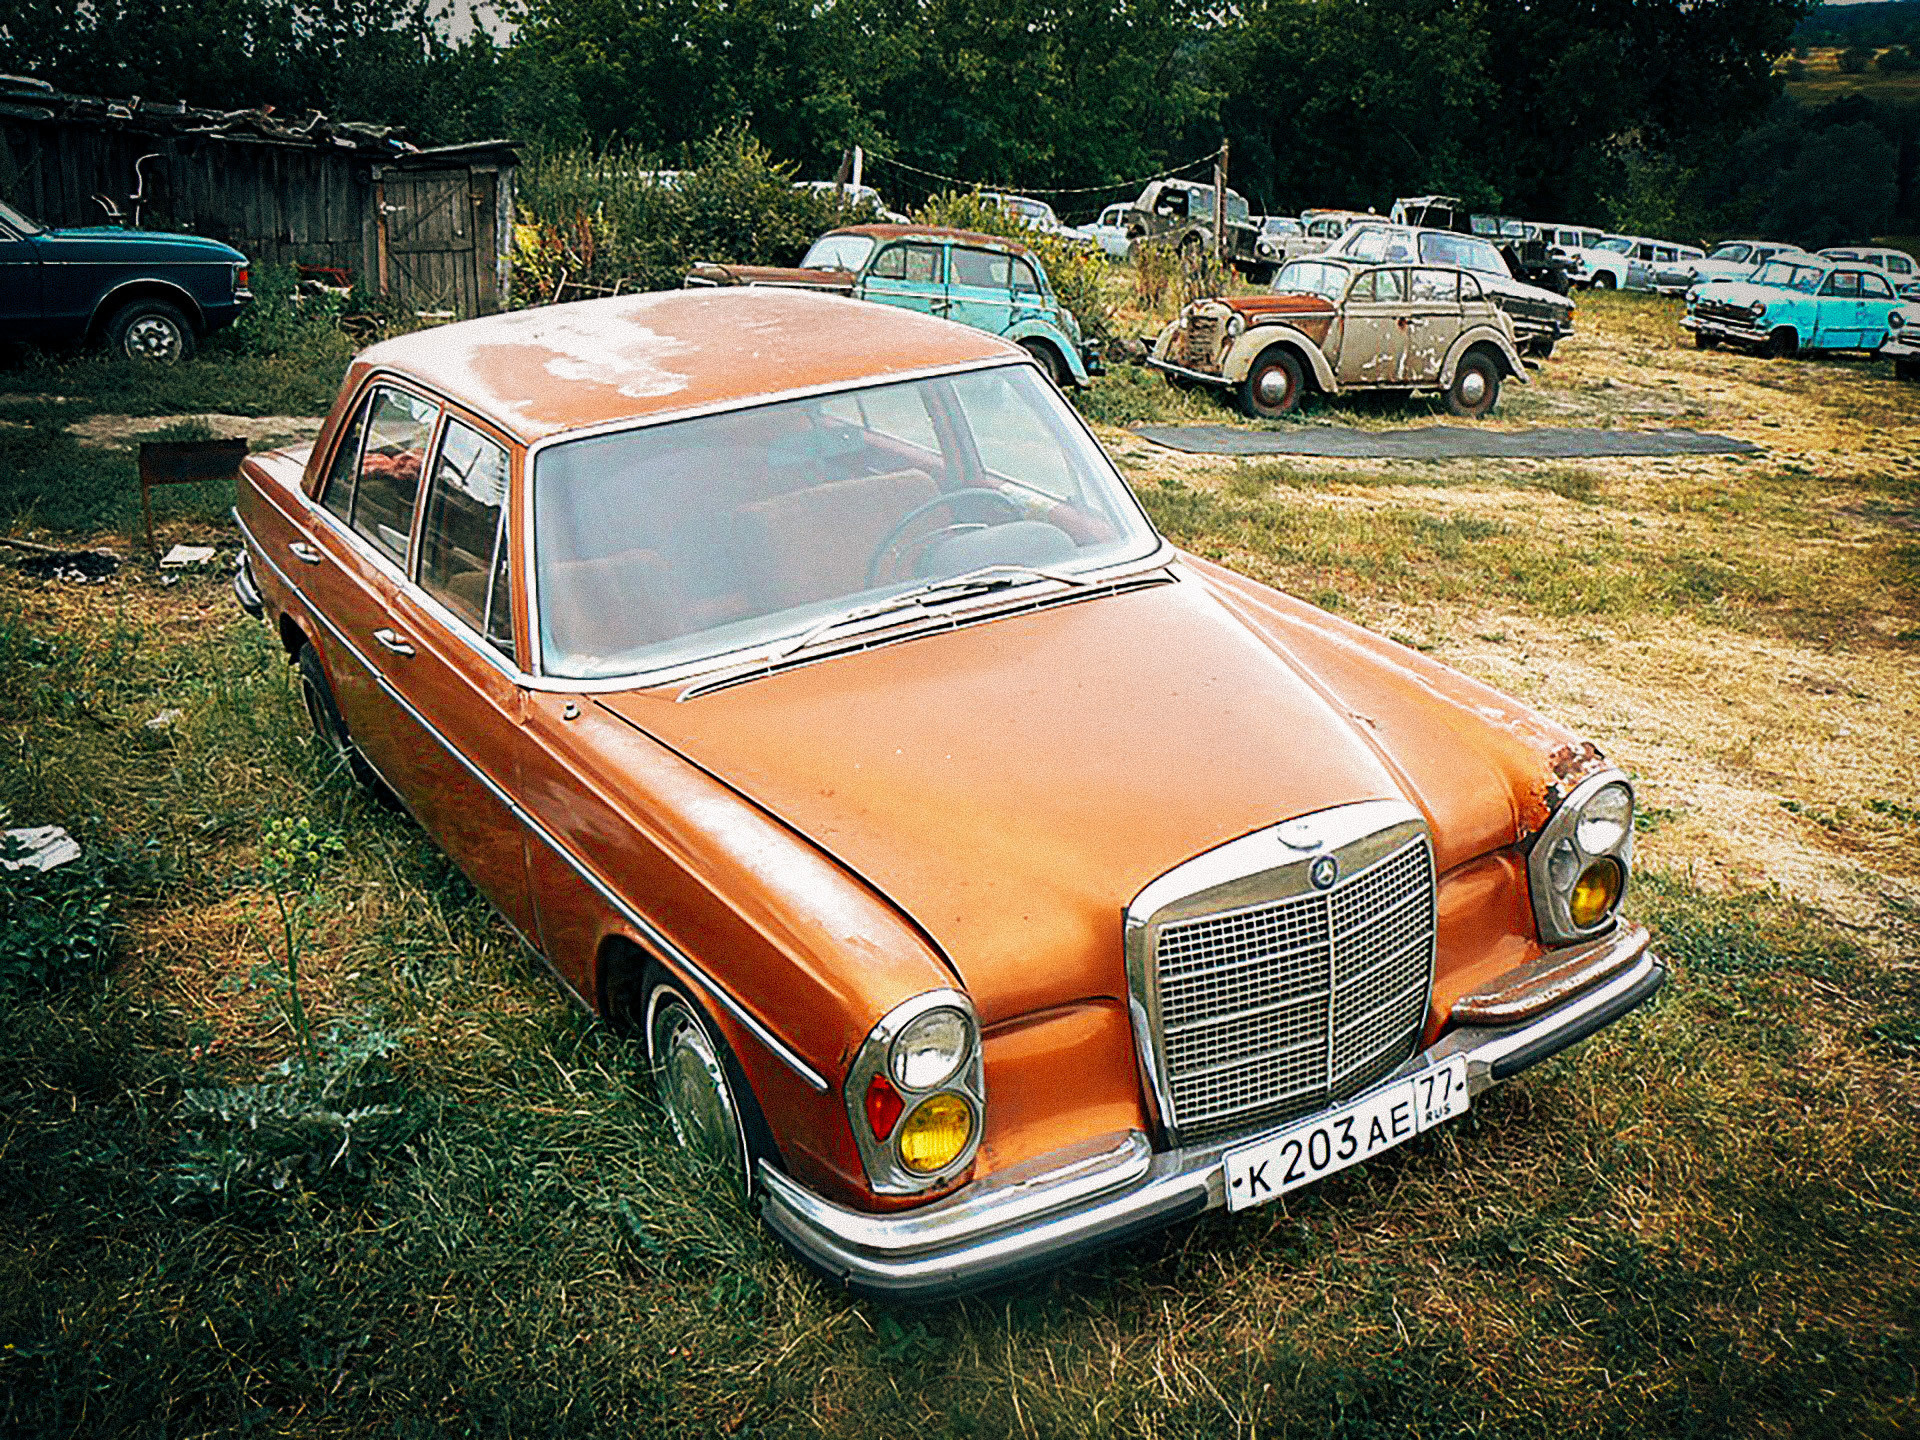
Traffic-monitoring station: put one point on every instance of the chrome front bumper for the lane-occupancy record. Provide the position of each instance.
(1102, 1191)
(1728, 329)
(1154, 362)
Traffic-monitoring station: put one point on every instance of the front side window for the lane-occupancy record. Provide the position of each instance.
(838, 252)
(1378, 286)
(919, 264)
(679, 543)
(1899, 265)
(399, 427)
(463, 540)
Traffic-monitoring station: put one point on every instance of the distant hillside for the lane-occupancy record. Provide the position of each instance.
(1893, 23)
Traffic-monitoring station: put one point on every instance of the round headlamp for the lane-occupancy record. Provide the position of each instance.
(929, 1050)
(1236, 322)
(1756, 309)
(1579, 865)
(935, 1133)
(1604, 820)
(1895, 320)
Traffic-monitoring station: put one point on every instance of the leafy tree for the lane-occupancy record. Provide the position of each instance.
(1855, 59)
(1840, 188)
(1897, 61)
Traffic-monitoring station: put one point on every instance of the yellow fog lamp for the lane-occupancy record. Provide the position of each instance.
(935, 1133)
(1595, 893)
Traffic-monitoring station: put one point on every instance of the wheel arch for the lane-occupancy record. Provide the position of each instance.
(1258, 339)
(1484, 337)
(1039, 332)
(146, 287)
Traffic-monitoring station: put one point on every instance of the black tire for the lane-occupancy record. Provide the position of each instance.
(1540, 347)
(1049, 361)
(316, 693)
(151, 330)
(1273, 386)
(1476, 385)
(1904, 369)
(1704, 341)
(710, 1108)
(1603, 281)
(1782, 344)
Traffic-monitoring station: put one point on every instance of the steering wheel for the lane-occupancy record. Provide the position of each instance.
(892, 537)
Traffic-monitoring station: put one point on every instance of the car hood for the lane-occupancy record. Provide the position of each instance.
(1270, 304)
(1520, 290)
(107, 242)
(1745, 292)
(715, 274)
(1013, 784)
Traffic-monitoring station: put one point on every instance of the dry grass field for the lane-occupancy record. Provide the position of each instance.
(1704, 1222)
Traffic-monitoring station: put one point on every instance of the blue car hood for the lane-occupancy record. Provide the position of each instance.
(156, 244)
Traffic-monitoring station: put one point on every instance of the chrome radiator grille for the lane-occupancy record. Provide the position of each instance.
(1271, 1010)
(1199, 346)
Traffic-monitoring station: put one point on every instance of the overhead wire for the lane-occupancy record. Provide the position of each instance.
(1042, 189)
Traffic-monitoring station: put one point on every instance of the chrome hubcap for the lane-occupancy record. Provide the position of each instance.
(1272, 386)
(1473, 387)
(692, 1087)
(152, 337)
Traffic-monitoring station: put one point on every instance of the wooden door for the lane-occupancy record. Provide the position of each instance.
(435, 243)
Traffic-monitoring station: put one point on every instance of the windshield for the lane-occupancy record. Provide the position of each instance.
(838, 252)
(1469, 252)
(1280, 225)
(1377, 244)
(1312, 277)
(738, 532)
(1730, 252)
(1619, 245)
(1803, 278)
(16, 220)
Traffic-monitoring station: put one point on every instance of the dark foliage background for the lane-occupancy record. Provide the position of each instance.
(1653, 115)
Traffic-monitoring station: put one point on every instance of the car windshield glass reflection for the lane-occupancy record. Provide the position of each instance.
(18, 222)
(1312, 277)
(710, 537)
(1618, 247)
(838, 252)
(1729, 252)
(1803, 278)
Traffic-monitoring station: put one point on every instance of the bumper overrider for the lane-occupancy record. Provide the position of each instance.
(1102, 1191)
(1743, 332)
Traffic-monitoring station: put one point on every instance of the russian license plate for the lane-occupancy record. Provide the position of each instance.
(1314, 1149)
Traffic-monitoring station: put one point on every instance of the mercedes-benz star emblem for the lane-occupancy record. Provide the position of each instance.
(1325, 871)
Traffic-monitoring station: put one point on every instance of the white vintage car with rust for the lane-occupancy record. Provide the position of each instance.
(1337, 324)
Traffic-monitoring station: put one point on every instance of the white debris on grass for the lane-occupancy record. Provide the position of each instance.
(37, 847)
(166, 720)
(182, 556)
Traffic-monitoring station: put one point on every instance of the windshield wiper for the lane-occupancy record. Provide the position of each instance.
(953, 587)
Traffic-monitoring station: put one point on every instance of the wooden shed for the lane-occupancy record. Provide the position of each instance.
(431, 228)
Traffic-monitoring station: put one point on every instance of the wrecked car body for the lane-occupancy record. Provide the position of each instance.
(1336, 326)
(1541, 317)
(1794, 304)
(1179, 214)
(985, 281)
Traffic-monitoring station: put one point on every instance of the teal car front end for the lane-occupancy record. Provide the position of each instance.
(1791, 306)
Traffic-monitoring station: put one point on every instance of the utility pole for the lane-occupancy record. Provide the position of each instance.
(1220, 247)
(859, 156)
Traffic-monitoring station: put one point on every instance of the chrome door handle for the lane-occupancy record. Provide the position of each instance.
(304, 551)
(394, 641)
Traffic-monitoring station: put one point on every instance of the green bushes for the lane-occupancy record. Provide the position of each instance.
(599, 224)
(55, 928)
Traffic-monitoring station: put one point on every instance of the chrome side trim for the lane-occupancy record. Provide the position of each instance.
(1107, 1189)
(673, 953)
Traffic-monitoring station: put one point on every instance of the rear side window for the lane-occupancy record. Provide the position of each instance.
(1025, 280)
(1899, 265)
(1378, 285)
(463, 544)
(1875, 288)
(983, 269)
(1436, 285)
(399, 428)
(338, 496)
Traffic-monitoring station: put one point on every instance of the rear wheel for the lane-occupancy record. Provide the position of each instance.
(1049, 361)
(1476, 385)
(1272, 387)
(316, 694)
(151, 330)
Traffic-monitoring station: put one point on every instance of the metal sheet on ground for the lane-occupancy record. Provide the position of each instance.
(1442, 442)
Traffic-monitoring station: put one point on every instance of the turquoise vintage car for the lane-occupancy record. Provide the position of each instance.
(985, 281)
(1794, 303)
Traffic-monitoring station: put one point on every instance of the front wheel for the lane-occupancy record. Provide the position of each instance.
(1906, 369)
(1475, 387)
(151, 330)
(1272, 387)
(1782, 344)
(708, 1103)
(1704, 341)
(1603, 281)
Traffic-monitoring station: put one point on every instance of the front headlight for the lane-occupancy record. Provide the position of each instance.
(1756, 309)
(916, 1094)
(1266, 249)
(1580, 861)
(1895, 320)
(1236, 323)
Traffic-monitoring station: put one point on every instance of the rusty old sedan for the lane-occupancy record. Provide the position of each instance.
(1336, 325)
(986, 879)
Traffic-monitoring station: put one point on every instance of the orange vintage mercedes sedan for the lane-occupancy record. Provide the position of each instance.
(987, 879)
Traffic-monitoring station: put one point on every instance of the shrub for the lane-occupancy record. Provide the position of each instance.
(617, 220)
(1897, 61)
(1855, 59)
(55, 927)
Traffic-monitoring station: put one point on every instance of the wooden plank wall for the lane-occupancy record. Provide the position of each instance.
(278, 203)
